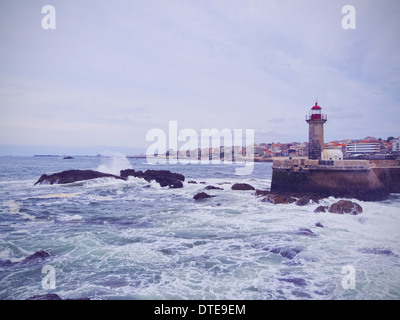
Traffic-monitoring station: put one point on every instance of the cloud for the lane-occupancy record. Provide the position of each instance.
(112, 71)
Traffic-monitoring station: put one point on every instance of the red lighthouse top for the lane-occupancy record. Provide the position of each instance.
(316, 112)
(316, 107)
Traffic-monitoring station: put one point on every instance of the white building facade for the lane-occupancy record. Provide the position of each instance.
(363, 148)
(396, 145)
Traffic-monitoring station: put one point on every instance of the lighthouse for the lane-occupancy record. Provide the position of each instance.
(315, 121)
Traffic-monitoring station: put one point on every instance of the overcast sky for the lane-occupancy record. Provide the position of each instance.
(113, 70)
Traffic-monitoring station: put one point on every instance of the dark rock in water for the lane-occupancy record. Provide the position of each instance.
(306, 232)
(286, 252)
(213, 188)
(6, 263)
(242, 186)
(192, 181)
(47, 296)
(318, 224)
(302, 201)
(51, 296)
(345, 206)
(262, 192)
(67, 158)
(384, 252)
(301, 294)
(321, 209)
(71, 176)
(278, 199)
(221, 183)
(163, 177)
(202, 195)
(296, 281)
(37, 256)
(176, 184)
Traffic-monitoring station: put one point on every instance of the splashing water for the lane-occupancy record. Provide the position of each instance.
(113, 163)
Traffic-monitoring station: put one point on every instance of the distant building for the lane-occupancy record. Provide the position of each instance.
(396, 145)
(363, 148)
(332, 154)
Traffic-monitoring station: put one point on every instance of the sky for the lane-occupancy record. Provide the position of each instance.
(111, 71)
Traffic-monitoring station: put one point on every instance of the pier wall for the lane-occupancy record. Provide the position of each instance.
(390, 177)
(354, 179)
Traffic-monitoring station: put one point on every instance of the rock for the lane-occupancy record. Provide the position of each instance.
(242, 186)
(37, 256)
(47, 296)
(345, 206)
(67, 158)
(6, 263)
(306, 232)
(302, 201)
(321, 209)
(261, 192)
(192, 181)
(51, 296)
(175, 184)
(278, 199)
(202, 195)
(286, 252)
(378, 251)
(213, 188)
(296, 281)
(318, 224)
(71, 176)
(163, 177)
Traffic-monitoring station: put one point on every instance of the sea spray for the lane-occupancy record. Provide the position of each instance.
(114, 162)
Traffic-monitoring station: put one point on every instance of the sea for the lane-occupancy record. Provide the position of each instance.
(112, 239)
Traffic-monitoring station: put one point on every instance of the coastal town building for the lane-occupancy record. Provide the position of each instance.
(396, 145)
(363, 148)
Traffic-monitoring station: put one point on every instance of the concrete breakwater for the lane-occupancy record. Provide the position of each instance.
(339, 178)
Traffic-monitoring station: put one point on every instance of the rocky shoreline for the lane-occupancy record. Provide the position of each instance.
(170, 179)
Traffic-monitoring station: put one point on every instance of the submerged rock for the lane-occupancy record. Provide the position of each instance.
(345, 206)
(305, 232)
(202, 195)
(384, 252)
(296, 281)
(242, 186)
(6, 263)
(302, 201)
(278, 199)
(321, 209)
(47, 296)
(37, 256)
(163, 177)
(286, 252)
(71, 176)
(50, 296)
(262, 192)
(213, 188)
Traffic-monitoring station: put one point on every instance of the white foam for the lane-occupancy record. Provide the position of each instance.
(113, 163)
(14, 207)
(75, 217)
